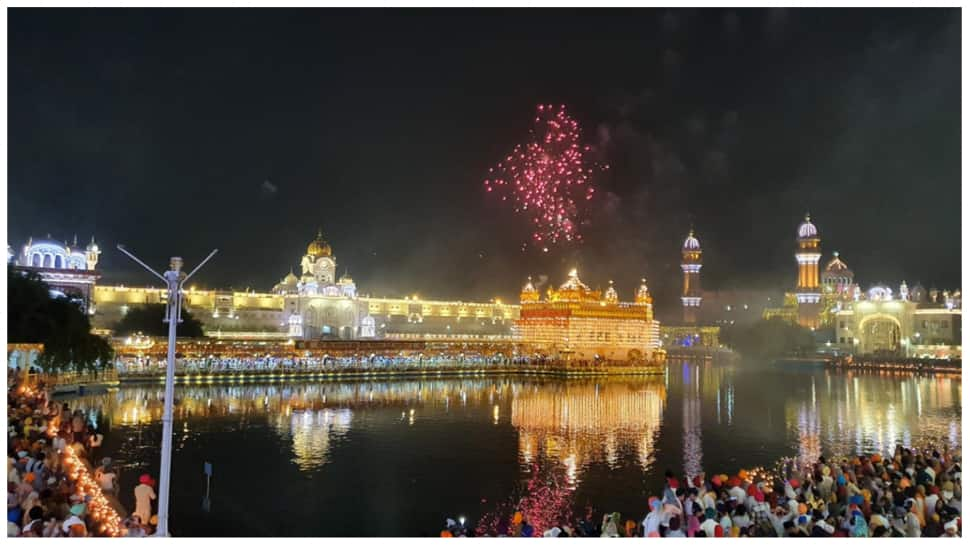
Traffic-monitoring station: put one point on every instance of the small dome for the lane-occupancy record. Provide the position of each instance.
(836, 264)
(346, 279)
(807, 229)
(290, 278)
(610, 295)
(318, 247)
(573, 282)
(529, 293)
(691, 242)
(92, 246)
(643, 293)
(880, 293)
(528, 288)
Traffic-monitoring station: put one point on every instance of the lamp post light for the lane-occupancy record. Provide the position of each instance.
(174, 279)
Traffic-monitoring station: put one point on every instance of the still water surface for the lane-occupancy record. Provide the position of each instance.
(394, 458)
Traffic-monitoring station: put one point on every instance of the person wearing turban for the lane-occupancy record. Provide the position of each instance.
(144, 494)
(653, 519)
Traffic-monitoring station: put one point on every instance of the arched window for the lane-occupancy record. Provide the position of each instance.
(35, 259)
(59, 262)
(48, 260)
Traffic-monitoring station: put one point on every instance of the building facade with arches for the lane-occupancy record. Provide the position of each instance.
(881, 320)
(904, 322)
(69, 269)
(316, 305)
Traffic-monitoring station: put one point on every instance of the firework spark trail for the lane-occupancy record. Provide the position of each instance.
(546, 502)
(549, 178)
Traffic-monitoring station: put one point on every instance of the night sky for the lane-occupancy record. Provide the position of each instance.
(177, 131)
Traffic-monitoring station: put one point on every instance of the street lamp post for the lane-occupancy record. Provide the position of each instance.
(174, 279)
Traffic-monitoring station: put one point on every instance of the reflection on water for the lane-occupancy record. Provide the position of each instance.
(854, 413)
(364, 444)
(576, 423)
(693, 450)
(310, 432)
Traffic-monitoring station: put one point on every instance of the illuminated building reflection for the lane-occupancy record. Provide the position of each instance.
(873, 413)
(311, 432)
(575, 424)
(693, 446)
(569, 426)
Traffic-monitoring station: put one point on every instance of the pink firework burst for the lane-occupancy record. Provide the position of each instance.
(549, 178)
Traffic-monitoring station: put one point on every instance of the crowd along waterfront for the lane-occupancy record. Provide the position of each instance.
(418, 451)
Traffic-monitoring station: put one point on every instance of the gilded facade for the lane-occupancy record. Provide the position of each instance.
(577, 322)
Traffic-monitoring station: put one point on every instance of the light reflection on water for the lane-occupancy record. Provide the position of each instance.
(360, 444)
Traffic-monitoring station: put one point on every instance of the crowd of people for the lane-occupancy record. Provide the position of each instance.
(270, 363)
(52, 489)
(912, 493)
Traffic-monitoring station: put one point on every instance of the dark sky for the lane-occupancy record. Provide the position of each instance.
(177, 131)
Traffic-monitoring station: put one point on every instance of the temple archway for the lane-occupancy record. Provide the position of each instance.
(880, 334)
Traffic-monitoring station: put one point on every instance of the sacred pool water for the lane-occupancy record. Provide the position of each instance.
(395, 458)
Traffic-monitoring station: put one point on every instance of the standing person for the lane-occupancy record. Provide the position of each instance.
(106, 476)
(77, 427)
(610, 529)
(144, 495)
(651, 523)
(93, 443)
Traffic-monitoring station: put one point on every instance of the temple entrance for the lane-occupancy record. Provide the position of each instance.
(880, 336)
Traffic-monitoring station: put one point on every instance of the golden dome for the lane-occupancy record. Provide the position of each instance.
(529, 292)
(318, 247)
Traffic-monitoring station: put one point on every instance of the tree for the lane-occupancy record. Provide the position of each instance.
(769, 338)
(34, 316)
(147, 319)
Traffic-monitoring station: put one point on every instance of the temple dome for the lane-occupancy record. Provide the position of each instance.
(611, 295)
(529, 287)
(318, 247)
(836, 264)
(643, 293)
(573, 282)
(691, 242)
(807, 229)
(529, 292)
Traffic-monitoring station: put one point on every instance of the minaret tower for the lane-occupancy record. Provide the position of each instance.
(807, 290)
(691, 263)
(91, 253)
